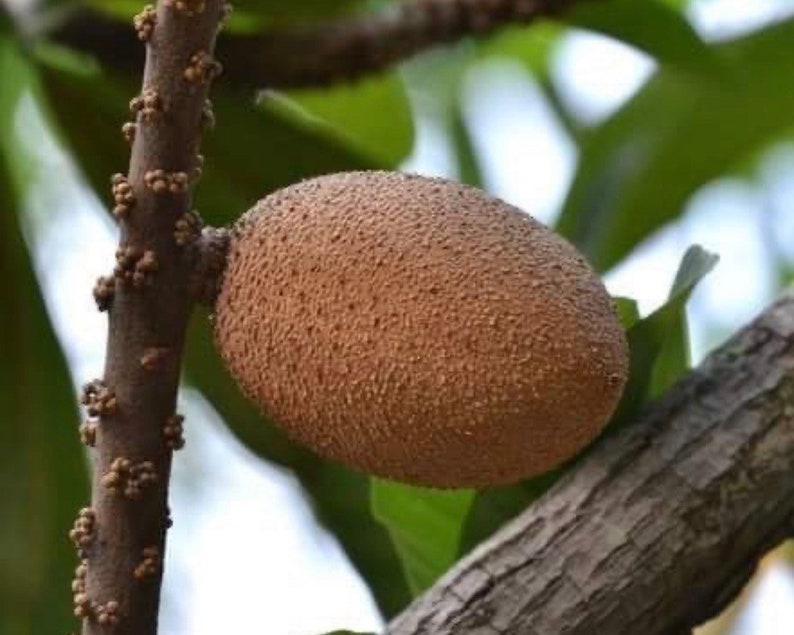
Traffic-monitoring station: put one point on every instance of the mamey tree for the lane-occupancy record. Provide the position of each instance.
(653, 529)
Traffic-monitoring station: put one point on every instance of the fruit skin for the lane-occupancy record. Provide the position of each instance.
(418, 329)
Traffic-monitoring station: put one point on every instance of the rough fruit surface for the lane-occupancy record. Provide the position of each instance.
(418, 329)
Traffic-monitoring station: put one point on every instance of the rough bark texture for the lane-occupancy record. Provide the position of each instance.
(660, 526)
(149, 310)
(331, 52)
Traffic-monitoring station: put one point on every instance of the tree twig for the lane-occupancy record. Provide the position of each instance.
(660, 526)
(132, 421)
(330, 52)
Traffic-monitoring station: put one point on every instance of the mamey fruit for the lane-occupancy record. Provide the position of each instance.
(418, 329)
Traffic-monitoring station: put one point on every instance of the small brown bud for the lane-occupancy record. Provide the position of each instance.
(208, 115)
(128, 478)
(151, 105)
(144, 23)
(149, 565)
(226, 14)
(136, 105)
(123, 197)
(202, 68)
(187, 228)
(188, 8)
(98, 399)
(104, 290)
(173, 432)
(128, 130)
(178, 183)
(111, 480)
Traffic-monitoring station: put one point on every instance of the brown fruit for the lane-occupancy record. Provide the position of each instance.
(418, 329)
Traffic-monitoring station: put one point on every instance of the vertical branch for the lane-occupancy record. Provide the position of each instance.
(133, 425)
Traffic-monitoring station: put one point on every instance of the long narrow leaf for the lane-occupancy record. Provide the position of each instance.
(653, 27)
(43, 475)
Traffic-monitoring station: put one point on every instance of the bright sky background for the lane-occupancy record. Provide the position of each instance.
(244, 550)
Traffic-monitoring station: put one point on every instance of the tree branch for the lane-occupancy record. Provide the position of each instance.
(659, 526)
(347, 49)
(331, 52)
(121, 538)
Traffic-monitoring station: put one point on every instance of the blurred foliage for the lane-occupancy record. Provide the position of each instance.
(707, 109)
(5, 20)
(638, 169)
(651, 26)
(43, 479)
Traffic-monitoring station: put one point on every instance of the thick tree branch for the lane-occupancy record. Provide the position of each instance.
(121, 538)
(331, 52)
(661, 524)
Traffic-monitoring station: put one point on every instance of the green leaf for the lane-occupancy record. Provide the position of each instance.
(638, 169)
(43, 476)
(628, 311)
(531, 45)
(651, 26)
(425, 525)
(372, 115)
(659, 343)
(659, 354)
(670, 322)
(6, 21)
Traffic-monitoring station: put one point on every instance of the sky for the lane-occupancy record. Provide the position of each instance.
(244, 549)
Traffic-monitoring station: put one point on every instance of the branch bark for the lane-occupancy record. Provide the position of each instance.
(327, 53)
(348, 49)
(659, 526)
(121, 538)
